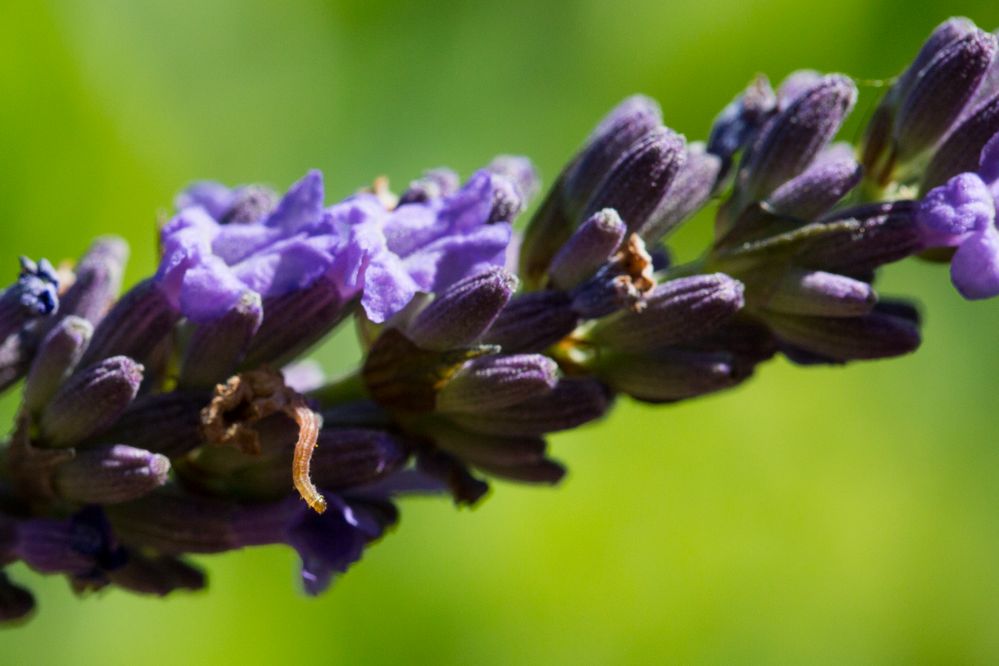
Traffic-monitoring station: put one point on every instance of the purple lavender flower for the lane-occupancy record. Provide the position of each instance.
(212, 258)
(962, 214)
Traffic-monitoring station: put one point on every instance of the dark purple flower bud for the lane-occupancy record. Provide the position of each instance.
(961, 149)
(294, 322)
(815, 190)
(483, 450)
(592, 244)
(217, 347)
(940, 92)
(873, 235)
(463, 311)
(736, 126)
(433, 185)
(98, 280)
(944, 35)
(35, 294)
(344, 457)
(15, 359)
(821, 294)
(887, 331)
(400, 375)
(559, 214)
(165, 423)
(90, 401)
(465, 488)
(669, 374)
(520, 171)
(546, 472)
(495, 382)
(82, 545)
(678, 310)
(571, 403)
(792, 139)
(614, 138)
(795, 85)
(16, 603)
(173, 522)
(134, 327)
(691, 189)
(110, 474)
(57, 356)
(639, 181)
(879, 152)
(532, 322)
(158, 575)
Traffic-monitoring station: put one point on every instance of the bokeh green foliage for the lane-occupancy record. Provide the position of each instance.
(811, 516)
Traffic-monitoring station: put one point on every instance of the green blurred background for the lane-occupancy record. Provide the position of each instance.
(812, 516)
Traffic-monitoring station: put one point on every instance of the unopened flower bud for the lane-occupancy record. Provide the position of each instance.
(158, 575)
(110, 474)
(134, 327)
(791, 139)
(98, 277)
(669, 374)
(639, 181)
(90, 401)
(294, 322)
(57, 356)
(571, 403)
(592, 244)
(940, 92)
(815, 190)
(217, 347)
(961, 149)
(690, 190)
(736, 126)
(532, 322)
(821, 294)
(166, 423)
(495, 382)
(464, 311)
(887, 331)
(678, 310)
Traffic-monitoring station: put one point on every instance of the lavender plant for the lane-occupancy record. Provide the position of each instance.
(178, 419)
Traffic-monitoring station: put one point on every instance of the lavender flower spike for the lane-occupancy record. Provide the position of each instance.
(962, 214)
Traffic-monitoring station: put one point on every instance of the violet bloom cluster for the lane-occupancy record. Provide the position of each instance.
(179, 418)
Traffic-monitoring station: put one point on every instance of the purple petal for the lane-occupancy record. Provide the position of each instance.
(470, 206)
(214, 197)
(461, 256)
(302, 205)
(209, 290)
(975, 267)
(329, 543)
(962, 205)
(186, 241)
(388, 288)
(284, 267)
